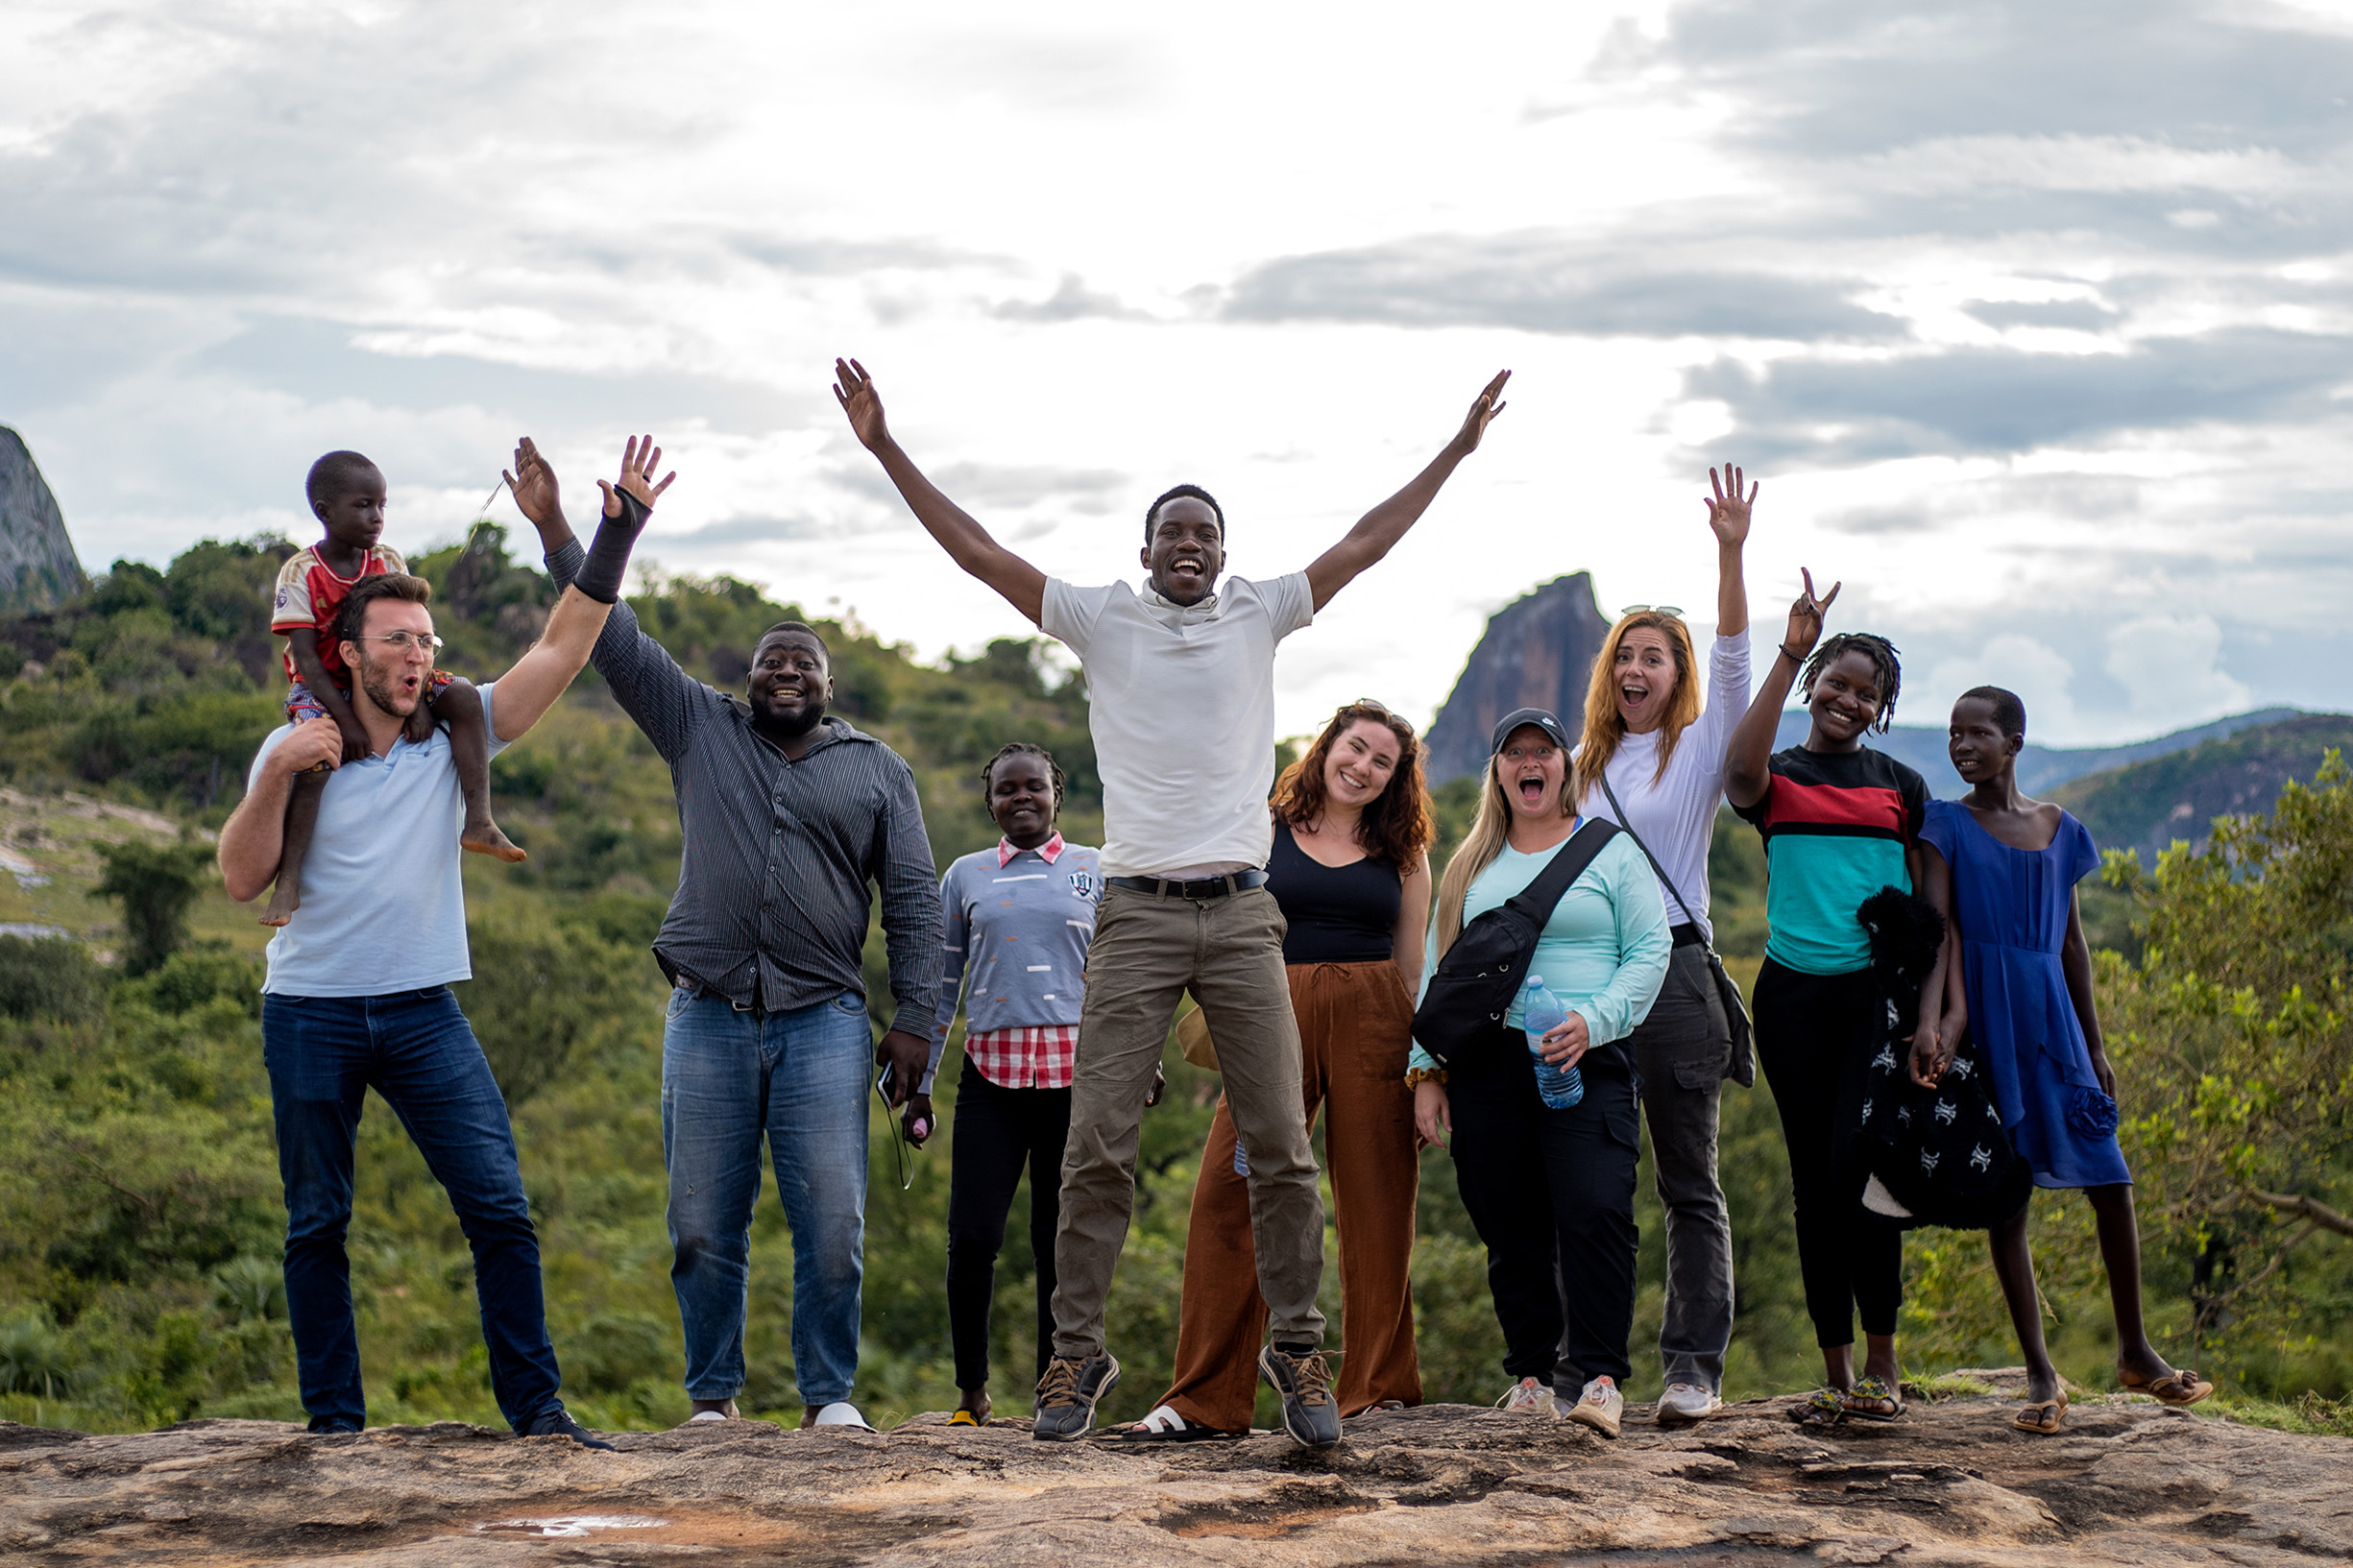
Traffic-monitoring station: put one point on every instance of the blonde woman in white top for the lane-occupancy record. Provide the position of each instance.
(1650, 743)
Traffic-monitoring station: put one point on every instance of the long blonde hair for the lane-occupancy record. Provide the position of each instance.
(1604, 726)
(1479, 848)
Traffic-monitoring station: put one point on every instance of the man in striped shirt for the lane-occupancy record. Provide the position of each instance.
(786, 816)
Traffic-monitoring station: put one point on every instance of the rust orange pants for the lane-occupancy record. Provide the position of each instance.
(1355, 1027)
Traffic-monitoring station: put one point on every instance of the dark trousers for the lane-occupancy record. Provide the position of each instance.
(1551, 1193)
(998, 1132)
(415, 1048)
(1814, 1038)
(1680, 1049)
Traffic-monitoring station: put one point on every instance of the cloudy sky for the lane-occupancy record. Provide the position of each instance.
(2036, 321)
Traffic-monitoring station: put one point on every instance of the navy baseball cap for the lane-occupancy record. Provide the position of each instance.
(1521, 717)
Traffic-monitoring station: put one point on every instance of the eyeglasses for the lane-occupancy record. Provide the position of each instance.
(1366, 705)
(400, 642)
(1674, 609)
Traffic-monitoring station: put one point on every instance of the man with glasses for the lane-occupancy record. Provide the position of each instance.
(357, 994)
(1180, 687)
(787, 815)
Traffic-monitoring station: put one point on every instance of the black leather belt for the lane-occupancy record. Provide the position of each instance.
(1687, 934)
(1201, 887)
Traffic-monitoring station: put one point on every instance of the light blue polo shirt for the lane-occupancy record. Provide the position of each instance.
(383, 904)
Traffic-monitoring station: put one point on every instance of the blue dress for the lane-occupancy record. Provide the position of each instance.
(2012, 909)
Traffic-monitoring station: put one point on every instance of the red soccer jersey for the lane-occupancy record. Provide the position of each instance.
(309, 593)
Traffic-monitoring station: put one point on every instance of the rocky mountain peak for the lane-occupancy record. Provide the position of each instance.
(39, 567)
(1537, 652)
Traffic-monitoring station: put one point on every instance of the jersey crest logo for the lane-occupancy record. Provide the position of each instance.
(1083, 884)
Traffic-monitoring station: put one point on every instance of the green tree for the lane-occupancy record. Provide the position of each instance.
(155, 884)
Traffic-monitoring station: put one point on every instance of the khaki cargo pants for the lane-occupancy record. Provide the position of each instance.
(1228, 952)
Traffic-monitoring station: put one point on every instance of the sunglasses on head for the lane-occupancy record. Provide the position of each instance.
(1674, 609)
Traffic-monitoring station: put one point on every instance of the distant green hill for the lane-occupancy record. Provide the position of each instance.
(2146, 805)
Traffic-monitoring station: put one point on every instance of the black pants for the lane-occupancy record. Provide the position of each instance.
(1813, 1037)
(1551, 1193)
(1682, 1048)
(997, 1131)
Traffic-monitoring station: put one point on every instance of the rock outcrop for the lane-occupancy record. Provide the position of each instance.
(1537, 652)
(39, 567)
(2125, 1484)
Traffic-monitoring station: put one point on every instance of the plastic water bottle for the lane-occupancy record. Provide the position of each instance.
(1541, 1013)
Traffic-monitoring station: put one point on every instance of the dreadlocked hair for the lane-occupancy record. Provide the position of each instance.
(1881, 652)
(1023, 748)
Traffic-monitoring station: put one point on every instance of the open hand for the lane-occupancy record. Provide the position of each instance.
(1728, 515)
(1806, 615)
(1433, 1116)
(1483, 410)
(853, 389)
(638, 460)
(533, 484)
(1563, 1044)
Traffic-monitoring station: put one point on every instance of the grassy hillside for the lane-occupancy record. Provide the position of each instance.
(139, 1215)
(2146, 806)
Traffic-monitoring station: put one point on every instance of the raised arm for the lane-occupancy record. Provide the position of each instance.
(967, 543)
(1748, 763)
(526, 692)
(1728, 519)
(1378, 530)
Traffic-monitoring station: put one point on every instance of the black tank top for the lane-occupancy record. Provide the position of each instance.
(1338, 914)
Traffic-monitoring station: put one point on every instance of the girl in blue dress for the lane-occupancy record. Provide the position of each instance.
(2003, 868)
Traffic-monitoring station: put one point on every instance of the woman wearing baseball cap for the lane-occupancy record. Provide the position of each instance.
(1550, 1190)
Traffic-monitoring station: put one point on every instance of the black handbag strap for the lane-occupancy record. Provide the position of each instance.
(1664, 880)
(1536, 901)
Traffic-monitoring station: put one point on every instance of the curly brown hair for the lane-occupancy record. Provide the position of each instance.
(1397, 825)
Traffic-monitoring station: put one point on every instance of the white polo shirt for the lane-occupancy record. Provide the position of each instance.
(383, 904)
(1181, 703)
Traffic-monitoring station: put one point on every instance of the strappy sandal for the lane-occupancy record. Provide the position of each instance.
(964, 1418)
(2043, 1416)
(1823, 1408)
(1165, 1426)
(2180, 1386)
(1872, 1400)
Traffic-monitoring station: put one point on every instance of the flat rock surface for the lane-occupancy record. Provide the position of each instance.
(2125, 1484)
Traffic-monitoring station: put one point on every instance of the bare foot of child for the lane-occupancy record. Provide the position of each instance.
(285, 900)
(487, 840)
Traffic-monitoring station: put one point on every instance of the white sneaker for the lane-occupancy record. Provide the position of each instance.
(704, 1418)
(842, 1413)
(1599, 1407)
(1526, 1397)
(1684, 1403)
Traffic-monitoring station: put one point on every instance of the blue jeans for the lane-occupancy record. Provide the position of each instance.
(799, 1079)
(415, 1048)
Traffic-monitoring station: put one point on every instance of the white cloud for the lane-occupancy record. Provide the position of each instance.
(2167, 665)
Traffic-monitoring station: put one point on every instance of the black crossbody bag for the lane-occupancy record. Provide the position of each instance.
(1475, 981)
(1741, 1067)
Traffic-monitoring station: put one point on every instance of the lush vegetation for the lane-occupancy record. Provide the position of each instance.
(139, 1213)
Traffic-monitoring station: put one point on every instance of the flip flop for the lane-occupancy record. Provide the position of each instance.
(1165, 1426)
(1823, 1408)
(2180, 1386)
(2033, 1418)
(1872, 1392)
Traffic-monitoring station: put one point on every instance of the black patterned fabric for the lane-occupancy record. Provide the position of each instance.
(1939, 1155)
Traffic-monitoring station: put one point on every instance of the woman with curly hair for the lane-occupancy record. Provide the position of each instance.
(1350, 872)
(1840, 821)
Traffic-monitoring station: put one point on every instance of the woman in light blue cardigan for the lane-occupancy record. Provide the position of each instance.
(1551, 1191)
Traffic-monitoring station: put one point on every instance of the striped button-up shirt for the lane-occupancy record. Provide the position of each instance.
(772, 904)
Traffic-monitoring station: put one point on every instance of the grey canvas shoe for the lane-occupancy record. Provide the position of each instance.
(1685, 1403)
(1068, 1393)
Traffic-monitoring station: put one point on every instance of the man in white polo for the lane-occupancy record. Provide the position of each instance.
(1181, 685)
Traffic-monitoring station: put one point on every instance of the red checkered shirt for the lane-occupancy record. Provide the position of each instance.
(1025, 1057)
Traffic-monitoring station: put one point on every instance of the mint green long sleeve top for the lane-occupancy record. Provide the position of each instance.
(1604, 951)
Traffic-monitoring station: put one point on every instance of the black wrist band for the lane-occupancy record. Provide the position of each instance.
(1798, 658)
(608, 558)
